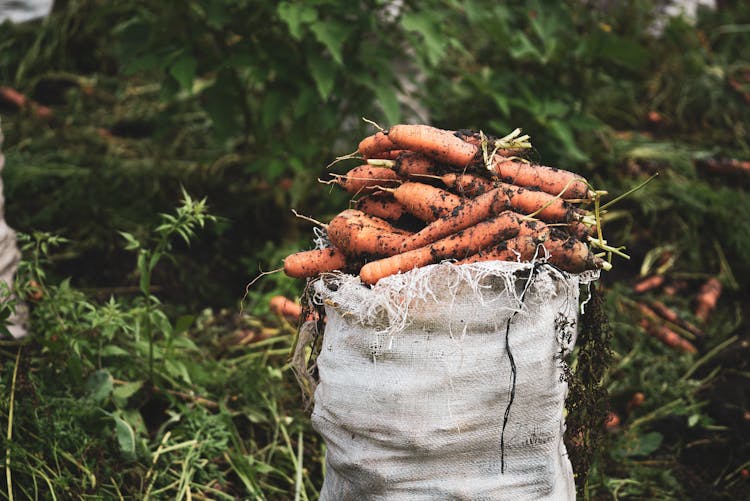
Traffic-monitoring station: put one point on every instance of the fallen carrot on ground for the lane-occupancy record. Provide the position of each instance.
(669, 314)
(648, 283)
(707, 298)
(668, 336)
(285, 307)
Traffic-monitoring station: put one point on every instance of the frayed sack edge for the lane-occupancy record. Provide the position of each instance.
(386, 306)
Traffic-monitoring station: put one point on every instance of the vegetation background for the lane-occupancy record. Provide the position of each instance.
(144, 377)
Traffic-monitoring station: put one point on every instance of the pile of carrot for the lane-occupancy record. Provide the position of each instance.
(424, 195)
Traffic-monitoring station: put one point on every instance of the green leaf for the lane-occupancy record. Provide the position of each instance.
(645, 444)
(427, 25)
(183, 323)
(565, 136)
(183, 70)
(220, 102)
(127, 390)
(388, 101)
(323, 72)
(112, 350)
(295, 15)
(125, 436)
(130, 242)
(99, 385)
(333, 36)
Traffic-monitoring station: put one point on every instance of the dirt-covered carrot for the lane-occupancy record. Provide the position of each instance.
(648, 283)
(424, 201)
(356, 233)
(520, 248)
(412, 164)
(310, 263)
(547, 179)
(707, 298)
(504, 197)
(469, 185)
(366, 178)
(442, 145)
(285, 307)
(376, 144)
(381, 205)
(571, 255)
(668, 336)
(456, 246)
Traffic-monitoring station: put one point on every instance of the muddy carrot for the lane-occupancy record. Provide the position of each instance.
(375, 144)
(469, 185)
(356, 233)
(424, 201)
(648, 283)
(310, 263)
(366, 178)
(285, 307)
(456, 246)
(668, 336)
(442, 145)
(670, 315)
(547, 179)
(381, 205)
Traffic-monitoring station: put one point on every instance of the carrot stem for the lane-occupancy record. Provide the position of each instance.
(629, 192)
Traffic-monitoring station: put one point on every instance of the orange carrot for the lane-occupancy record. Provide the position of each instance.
(612, 424)
(387, 155)
(375, 144)
(310, 263)
(442, 145)
(366, 177)
(521, 248)
(469, 185)
(668, 336)
(411, 164)
(456, 246)
(648, 284)
(356, 233)
(671, 316)
(426, 202)
(504, 197)
(637, 400)
(570, 254)
(285, 307)
(707, 298)
(547, 179)
(381, 205)
(12, 97)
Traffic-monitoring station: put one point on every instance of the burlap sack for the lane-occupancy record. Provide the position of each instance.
(446, 383)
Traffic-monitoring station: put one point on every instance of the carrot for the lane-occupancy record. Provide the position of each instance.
(671, 316)
(637, 400)
(520, 248)
(504, 197)
(306, 264)
(548, 179)
(648, 283)
(12, 97)
(285, 307)
(442, 145)
(469, 185)
(411, 164)
(426, 202)
(571, 255)
(375, 144)
(612, 424)
(366, 177)
(456, 246)
(668, 337)
(381, 205)
(707, 298)
(356, 233)
(387, 155)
